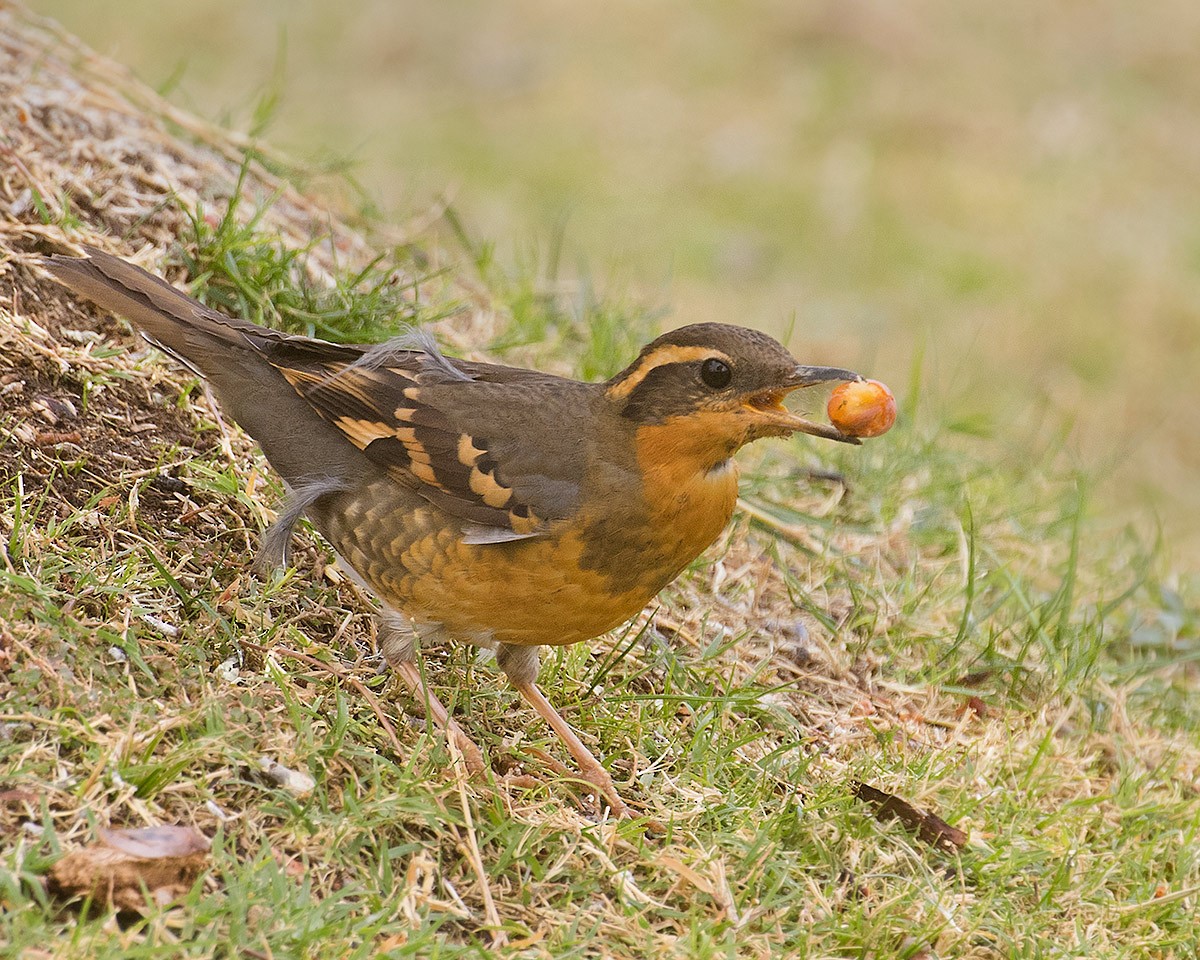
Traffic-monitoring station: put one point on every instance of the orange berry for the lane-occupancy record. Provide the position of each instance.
(862, 408)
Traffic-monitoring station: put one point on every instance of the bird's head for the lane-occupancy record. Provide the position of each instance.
(722, 386)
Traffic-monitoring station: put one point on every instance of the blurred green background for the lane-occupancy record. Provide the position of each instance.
(1002, 197)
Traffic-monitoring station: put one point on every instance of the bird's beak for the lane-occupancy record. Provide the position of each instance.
(804, 376)
(776, 418)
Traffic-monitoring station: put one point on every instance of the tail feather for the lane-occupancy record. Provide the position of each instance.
(232, 354)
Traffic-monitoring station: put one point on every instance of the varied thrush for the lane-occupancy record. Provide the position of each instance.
(501, 506)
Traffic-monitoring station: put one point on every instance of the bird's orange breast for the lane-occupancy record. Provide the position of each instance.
(583, 577)
(527, 592)
(689, 482)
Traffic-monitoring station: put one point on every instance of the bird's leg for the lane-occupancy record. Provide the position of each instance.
(520, 664)
(398, 644)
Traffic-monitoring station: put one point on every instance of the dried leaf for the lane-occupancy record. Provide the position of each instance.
(156, 843)
(51, 438)
(16, 796)
(927, 826)
(127, 865)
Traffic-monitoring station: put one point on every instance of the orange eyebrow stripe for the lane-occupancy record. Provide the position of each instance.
(668, 353)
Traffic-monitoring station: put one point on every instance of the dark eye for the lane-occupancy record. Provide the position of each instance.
(715, 373)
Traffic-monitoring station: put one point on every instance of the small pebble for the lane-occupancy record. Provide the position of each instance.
(296, 782)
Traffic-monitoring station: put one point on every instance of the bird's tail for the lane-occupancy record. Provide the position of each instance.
(232, 354)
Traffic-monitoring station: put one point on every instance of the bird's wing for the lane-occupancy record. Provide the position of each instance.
(474, 439)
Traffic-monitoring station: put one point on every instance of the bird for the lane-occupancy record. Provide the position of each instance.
(478, 502)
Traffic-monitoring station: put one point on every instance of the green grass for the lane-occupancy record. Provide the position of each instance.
(978, 642)
(238, 267)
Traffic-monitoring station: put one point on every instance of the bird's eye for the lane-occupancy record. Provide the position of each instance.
(715, 373)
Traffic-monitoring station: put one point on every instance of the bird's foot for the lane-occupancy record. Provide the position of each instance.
(596, 776)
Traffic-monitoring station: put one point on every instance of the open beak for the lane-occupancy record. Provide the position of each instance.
(770, 411)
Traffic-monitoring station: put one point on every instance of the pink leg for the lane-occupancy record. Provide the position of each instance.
(408, 672)
(397, 643)
(589, 767)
